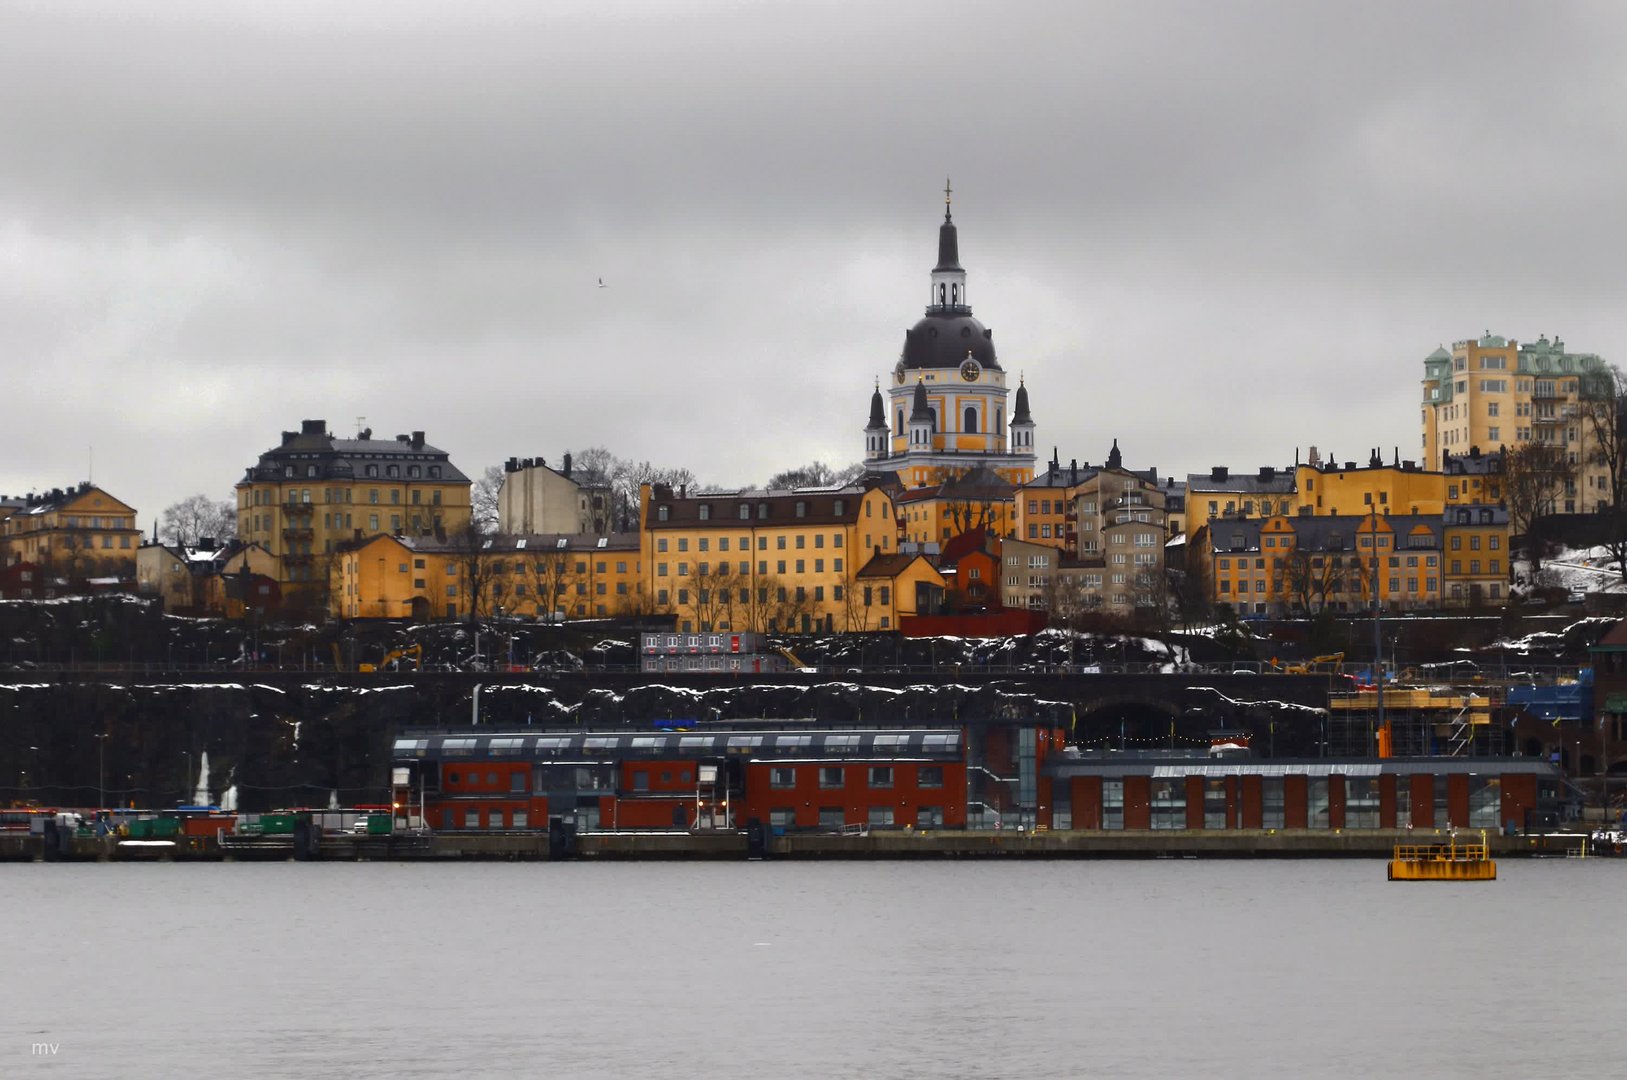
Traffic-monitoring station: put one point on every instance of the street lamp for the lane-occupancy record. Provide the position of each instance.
(187, 781)
(101, 757)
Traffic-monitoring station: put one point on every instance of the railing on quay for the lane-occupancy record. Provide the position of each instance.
(19, 670)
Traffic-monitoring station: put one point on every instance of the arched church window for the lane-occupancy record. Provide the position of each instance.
(971, 419)
(900, 430)
(954, 294)
(933, 413)
(940, 294)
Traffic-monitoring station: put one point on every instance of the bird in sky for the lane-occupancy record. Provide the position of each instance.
(601, 283)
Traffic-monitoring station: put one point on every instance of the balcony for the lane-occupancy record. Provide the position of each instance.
(297, 532)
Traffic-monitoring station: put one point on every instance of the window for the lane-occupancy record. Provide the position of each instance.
(783, 777)
(881, 776)
(881, 815)
(1112, 804)
(1271, 802)
(1169, 804)
(830, 776)
(832, 817)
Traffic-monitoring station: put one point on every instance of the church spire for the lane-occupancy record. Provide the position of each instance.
(948, 279)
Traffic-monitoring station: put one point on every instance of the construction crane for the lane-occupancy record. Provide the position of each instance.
(394, 656)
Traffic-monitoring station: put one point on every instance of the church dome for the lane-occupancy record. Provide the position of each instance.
(942, 340)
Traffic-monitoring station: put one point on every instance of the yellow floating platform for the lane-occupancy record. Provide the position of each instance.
(1443, 862)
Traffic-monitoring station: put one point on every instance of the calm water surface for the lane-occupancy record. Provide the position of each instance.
(1061, 969)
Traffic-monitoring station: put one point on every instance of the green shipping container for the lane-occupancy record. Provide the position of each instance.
(271, 824)
(141, 829)
(380, 824)
(166, 828)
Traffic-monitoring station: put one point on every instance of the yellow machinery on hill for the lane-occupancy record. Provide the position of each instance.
(416, 652)
(1332, 664)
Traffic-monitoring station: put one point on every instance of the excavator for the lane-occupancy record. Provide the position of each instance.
(416, 652)
(1314, 665)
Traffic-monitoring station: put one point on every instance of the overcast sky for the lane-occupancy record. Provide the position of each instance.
(1215, 231)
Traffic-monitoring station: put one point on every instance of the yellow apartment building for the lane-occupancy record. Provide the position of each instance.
(787, 561)
(313, 492)
(1303, 564)
(75, 532)
(555, 576)
(976, 499)
(1491, 391)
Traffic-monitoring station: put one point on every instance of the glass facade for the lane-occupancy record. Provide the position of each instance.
(1485, 802)
(1112, 804)
(1361, 802)
(1316, 802)
(1271, 815)
(1169, 804)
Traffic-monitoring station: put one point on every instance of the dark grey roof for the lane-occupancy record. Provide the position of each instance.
(347, 459)
(920, 409)
(1019, 414)
(1280, 482)
(878, 415)
(944, 338)
(948, 244)
(782, 744)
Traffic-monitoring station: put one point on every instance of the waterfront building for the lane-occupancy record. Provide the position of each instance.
(1116, 790)
(74, 533)
(312, 492)
(536, 499)
(789, 561)
(1491, 391)
(945, 411)
(965, 775)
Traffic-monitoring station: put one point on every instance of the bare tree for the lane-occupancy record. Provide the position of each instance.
(483, 494)
(1533, 475)
(1309, 578)
(1604, 415)
(196, 517)
(476, 569)
(855, 612)
(815, 474)
(711, 597)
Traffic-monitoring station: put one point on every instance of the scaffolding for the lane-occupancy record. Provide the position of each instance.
(1421, 722)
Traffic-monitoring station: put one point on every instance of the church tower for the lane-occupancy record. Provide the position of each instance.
(945, 411)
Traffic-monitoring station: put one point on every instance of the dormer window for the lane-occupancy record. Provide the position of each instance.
(839, 507)
(414, 471)
(802, 509)
(372, 470)
(705, 512)
(393, 471)
(745, 511)
(434, 472)
(660, 513)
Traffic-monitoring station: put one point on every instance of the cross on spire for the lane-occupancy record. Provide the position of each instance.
(947, 191)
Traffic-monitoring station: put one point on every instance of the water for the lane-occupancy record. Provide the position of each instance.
(1055, 969)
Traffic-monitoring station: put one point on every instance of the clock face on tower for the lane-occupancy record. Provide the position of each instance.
(970, 370)
(898, 373)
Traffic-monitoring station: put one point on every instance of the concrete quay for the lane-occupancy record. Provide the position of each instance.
(889, 844)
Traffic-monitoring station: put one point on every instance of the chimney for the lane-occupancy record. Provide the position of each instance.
(511, 465)
(418, 440)
(313, 427)
(1073, 471)
(1219, 472)
(567, 466)
(288, 437)
(1268, 472)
